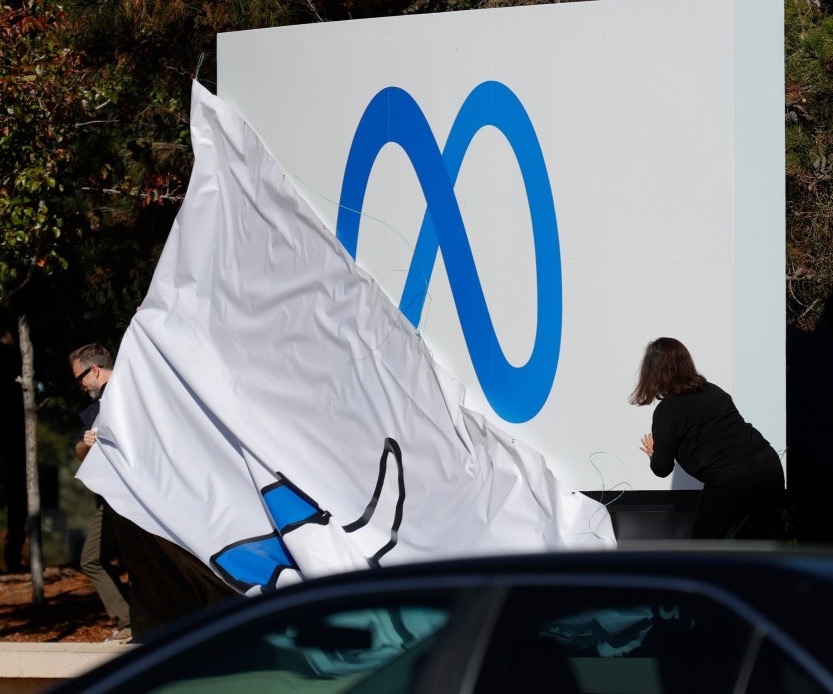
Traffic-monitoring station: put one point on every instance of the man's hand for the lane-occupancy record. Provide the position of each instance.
(85, 444)
(89, 437)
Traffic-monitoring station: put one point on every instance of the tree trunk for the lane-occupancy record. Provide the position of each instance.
(32, 487)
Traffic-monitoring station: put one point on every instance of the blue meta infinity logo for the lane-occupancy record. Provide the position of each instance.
(516, 393)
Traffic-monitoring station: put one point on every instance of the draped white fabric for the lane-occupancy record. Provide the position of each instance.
(272, 412)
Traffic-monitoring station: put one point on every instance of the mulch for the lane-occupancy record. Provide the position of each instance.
(70, 612)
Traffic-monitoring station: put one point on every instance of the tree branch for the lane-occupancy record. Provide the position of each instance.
(312, 9)
(93, 122)
(173, 196)
(30, 273)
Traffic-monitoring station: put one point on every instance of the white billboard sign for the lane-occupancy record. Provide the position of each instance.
(545, 189)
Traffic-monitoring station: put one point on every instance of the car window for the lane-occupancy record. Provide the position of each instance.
(325, 650)
(630, 641)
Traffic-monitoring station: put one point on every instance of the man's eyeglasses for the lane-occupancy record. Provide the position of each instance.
(80, 377)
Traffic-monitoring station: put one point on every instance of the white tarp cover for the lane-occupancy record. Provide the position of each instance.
(273, 413)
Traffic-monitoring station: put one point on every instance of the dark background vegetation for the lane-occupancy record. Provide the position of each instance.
(95, 158)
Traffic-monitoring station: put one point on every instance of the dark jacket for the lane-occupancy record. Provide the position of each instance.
(701, 431)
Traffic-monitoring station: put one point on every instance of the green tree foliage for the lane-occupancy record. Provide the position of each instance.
(809, 158)
(51, 101)
(44, 94)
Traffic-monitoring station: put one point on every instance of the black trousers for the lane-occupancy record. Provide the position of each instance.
(744, 500)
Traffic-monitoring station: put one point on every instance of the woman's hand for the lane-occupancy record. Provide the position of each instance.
(647, 446)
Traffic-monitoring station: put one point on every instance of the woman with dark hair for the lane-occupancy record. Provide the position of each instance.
(697, 424)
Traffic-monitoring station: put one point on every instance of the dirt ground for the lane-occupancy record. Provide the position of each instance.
(70, 612)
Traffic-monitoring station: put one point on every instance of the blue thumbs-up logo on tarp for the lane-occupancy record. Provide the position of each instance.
(516, 394)
(259, 561)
